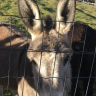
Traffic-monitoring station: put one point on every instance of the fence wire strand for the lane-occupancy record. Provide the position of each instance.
(81, 61)
(90, 73)
(42, 50)
(40, 64)
(9, 55)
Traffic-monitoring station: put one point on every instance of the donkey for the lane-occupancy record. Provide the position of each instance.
(38, 66)
(84, 39)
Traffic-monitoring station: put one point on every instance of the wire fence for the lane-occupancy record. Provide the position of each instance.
(81, 52)
(93, 2)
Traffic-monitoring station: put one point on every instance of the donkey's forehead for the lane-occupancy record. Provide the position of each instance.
(51, 41)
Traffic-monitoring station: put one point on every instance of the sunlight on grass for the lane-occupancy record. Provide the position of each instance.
(85, 13)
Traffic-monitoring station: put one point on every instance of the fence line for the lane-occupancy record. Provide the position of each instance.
(41, 50)
(86, 2)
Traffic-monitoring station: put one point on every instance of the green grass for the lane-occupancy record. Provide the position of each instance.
(5, 92)
(85, 13)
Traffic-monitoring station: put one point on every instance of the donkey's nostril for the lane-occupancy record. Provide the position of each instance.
(66, 60)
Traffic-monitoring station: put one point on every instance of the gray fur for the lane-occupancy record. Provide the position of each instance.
(29, 56)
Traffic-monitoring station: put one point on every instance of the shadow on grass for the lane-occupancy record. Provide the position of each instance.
(49, 9)
(39, 3)
(86, 13)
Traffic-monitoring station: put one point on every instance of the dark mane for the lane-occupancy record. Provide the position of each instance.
(82, 33)
(48, 22)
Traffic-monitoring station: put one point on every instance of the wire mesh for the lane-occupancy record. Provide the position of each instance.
(42, 50)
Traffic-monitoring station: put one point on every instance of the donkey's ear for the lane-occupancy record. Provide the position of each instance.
(28, 8)
(65, 12)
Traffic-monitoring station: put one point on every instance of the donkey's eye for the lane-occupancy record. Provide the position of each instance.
(33, 62)
(66, 60)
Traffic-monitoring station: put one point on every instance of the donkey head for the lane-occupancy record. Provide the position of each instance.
(50, 60)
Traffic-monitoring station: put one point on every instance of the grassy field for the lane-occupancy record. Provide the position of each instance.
(85, 13)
